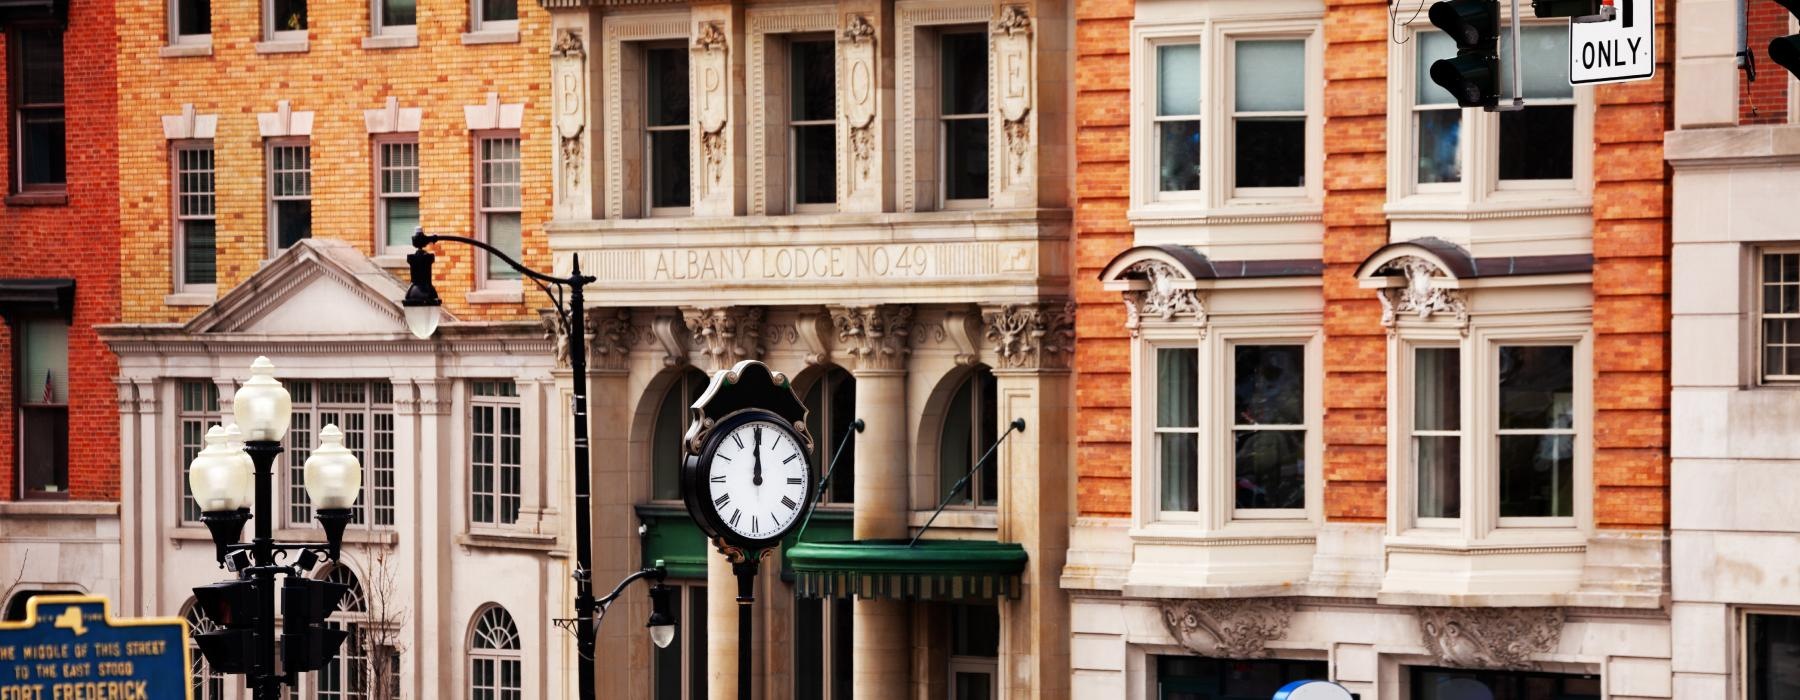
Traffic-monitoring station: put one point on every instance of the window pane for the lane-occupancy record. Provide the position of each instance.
(966, 159)
(1537, 387)
(973, 686)
(45, 163)
(402, 218)
(975, 631)
(1437, 389)
(1271, 76)
(843, 413)
(41, 66)
(1271, 152)
(45, 364)
(669, 186)
(667, 75)
(1177, 80)
(1177, 388)
(809, 648)
(398, 13)
(1430, 46)
(1773, 665)
(696, 634)
(955, 444)
(400, 167)
(193, 17)
(1538, 143)
(198, 253)
(1178, 147)
(499, 10)
(1271, 469)
(666, 671)
(1546, 60)
(293, 221)
(1439, 463)
(290, 15)
(1179, 454)
(670, 425)
(964, 67)
(815, 164)
(1537, 476)
(503, 232)
(1440, 146)
(1271, 384)
(813, 84)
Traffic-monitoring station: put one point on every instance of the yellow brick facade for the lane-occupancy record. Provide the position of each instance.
(336, 79)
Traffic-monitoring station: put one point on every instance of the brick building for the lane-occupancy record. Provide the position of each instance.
(1384, 399)
(275, 158)
(59, 278)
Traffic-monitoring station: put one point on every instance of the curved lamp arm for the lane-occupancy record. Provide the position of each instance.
(421, 239)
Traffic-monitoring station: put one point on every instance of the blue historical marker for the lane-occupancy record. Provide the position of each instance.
(70, 648)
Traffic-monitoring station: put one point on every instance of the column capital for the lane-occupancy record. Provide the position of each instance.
(876, 338)
(1037, 335)
(609, 335)
(726, 334)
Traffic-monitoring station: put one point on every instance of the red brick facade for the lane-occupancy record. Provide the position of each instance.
(1766, 100)
(78, 239)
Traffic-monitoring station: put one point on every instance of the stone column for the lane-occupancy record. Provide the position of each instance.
(1035, 343)
(616, 489)
(874, 338)
(436, 545)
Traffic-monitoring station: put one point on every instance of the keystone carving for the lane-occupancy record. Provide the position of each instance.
(1490, 638)
(610, 331)
(1229, 628)
(1032, 336)
(859, 99)
(727, 334)
(1163, 300)
(875, 336)
(1419, 297)
(710, 49)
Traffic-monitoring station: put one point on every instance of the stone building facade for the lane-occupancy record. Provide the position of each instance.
(874, 199)
(1371, 388)
(59, 279)
(275, 158)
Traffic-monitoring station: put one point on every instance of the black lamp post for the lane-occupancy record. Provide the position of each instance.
(424, 310)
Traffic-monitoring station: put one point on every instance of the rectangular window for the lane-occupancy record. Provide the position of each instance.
(397, 200)
(195, 227)
(1772, 658)
(1178, 117)
(290, 193)
(496, 15)
(199, 411)
(1781, 317)
(812, 122)
(1268, 426)
(365, 412)
(1538, 143)
(1437, 431)
(494, 464)
(678, 672)
(1198, 678)
(974, 667)
(1178, 427)
(963, 104)
(1269, 114)
(666, 137)
(39, 163)
(287, 19)
(1437, 119)
(192, 22)
(500, 202)
(1536, 402)
(42, 346)
(1456, 684)
(396, 16)
(823, 632)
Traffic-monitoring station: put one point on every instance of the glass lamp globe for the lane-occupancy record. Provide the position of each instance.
(423, 320)
(333, 474)
(662, 615)
(262, 405)
(216, 477)
(234, 441)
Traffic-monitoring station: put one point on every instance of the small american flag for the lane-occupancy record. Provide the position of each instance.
(49, 386)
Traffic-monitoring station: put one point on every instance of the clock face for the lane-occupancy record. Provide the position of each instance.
(759, 480)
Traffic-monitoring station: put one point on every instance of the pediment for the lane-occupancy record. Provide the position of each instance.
(316, 287)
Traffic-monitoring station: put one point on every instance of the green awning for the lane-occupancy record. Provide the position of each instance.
(929, 570)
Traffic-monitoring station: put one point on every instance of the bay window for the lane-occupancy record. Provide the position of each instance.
(1437, 432)
(1437, 119)
(1268, 426)
(1178, 117)
(1178, 427)
(1269, 115)
(1538, 143)
(1536, 431)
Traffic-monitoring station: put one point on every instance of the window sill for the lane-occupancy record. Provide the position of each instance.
(282, 46)
(193, 532)
(507, 539)
(1513, 205)
(38, 199)
(1243, 213)
(1178, 560)
(190, 299)
(490, 37)
(390, 42)
(496, 296)
(185, 50)
(57, 509)
(389, 260)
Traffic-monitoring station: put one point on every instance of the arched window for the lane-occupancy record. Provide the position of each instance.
(971, 425)
(346, 677)
(672, 418)
(496, 670)
(830, 407)
(207, 685)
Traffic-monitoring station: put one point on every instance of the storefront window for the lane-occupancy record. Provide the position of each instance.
(1196, 678)
(1452, 684)
(1772, 666)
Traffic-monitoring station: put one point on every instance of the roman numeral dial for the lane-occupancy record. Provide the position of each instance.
(759, 479)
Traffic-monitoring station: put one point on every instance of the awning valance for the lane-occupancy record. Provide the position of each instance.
(37, 296)
(928, 570)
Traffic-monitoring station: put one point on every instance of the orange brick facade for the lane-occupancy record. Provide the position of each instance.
(1631, 272)
(336, 79)
(75, 239)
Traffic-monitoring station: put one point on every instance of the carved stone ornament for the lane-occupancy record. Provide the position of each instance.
(726, 335)
(1490, 638)
(568, 45)
(713, 78)
(1012, 57)
(814, 327)
(672, 335)
(1164, 300)
(1228, 628)
(875, 336)
(556, 328)
(859, 94)
(570, 76)
(611, 331)
(1420, 297)
(1032, 335)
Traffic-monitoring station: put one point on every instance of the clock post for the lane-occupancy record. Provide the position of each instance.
(747, 476)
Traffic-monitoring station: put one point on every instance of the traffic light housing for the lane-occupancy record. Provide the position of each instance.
(1785, 50)
(307, 644)
(1473, 76)
(1565, 8)
(233, 606)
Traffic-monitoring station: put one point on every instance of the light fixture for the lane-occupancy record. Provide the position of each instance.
(234, 441)
(333, 482)
(219, 482)
(262, 405)
(662, 616)
(423, 307)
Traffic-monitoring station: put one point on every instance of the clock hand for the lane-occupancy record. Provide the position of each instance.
(756, 474)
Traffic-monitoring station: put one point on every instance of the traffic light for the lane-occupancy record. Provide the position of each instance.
(1566, 8)
(234, 608)
(1473, 76)
(307, 644)
(1785, 50)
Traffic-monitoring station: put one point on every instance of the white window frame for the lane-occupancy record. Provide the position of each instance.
(1760, 350)
(378, 27)
(179, 219)
(498, 405)
(270, 147)
(499, 656)
(199, 420)
(272, 33)
(1218, 40)
(382, 142)
(176, 38)
(483, 264)
(479, 26)
(984, 665)
(298, 510)
(1402, 402)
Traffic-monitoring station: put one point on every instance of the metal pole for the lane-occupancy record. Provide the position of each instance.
(746, 576)
(262, 454)
(584, 548)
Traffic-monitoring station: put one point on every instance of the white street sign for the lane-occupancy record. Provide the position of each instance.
(1617, 51)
